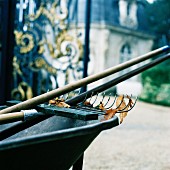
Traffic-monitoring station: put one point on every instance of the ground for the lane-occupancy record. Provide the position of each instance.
(141, 142)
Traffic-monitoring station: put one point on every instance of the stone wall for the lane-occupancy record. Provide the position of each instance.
(105, 46)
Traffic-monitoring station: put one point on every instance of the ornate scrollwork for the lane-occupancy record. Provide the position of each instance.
(41, 48)
(40, 63)
(16, 67)
(45, 52)
(52, 14)
(22, 92)
(42, 11)
(25, 41)
(66, 45)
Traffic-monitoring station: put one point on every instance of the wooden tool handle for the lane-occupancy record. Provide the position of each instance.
(31, 103)
(11, 117)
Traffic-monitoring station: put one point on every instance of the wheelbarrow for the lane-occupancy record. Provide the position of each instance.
(55, 143)
(59, 141)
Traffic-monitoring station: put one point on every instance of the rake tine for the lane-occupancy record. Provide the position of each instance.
(83, 100)
(120, 103)
(120, 111)
(62, 97)
(91, 109)
(133, 104)
(76, 94)
(108, 100)
(112, 103)
(95, 98)
(126, 105)
(91, 96)
(124, 108)
(103, 97)
(67, 95)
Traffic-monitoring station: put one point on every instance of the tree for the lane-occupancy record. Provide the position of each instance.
(156, 87)
(159, 20)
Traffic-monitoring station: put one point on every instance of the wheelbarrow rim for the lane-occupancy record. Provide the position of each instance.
(60, 134)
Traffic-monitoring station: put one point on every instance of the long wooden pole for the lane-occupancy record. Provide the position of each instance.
(115, 81)
(19, 116)
(72, 86)
(11, 117)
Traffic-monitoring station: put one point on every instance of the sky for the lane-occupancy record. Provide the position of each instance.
(150, 1)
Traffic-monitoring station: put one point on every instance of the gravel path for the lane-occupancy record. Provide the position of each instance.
(141, 142)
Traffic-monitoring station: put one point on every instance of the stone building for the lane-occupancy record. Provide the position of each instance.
(118, 32)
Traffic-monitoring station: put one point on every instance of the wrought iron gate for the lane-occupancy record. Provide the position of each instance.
(47, 54)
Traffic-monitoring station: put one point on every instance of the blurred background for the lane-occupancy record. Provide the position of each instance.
(46, 44)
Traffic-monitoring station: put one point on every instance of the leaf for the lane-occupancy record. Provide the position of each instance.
(120, 103)
(121, 106)
(52, 102)
(87, 103)
(59, 102)
(101, 106)
(109, 113)
(62, 104)
(130, 101)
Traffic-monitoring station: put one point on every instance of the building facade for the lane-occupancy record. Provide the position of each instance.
(118, 32)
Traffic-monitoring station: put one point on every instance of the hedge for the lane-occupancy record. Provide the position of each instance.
(156, 85)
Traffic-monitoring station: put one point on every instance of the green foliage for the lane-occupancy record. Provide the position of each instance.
(159, 74)
(156, 85)
(158, 14)
(159, 21)
(156, 81)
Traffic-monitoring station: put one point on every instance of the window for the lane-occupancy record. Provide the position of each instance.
(125, 53)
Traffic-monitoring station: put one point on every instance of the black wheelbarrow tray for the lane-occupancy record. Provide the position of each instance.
(55, 143)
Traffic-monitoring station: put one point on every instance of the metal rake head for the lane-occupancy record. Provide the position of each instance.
(104, 103)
